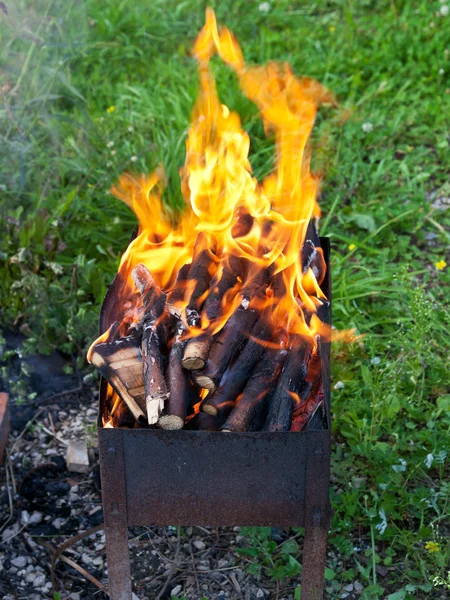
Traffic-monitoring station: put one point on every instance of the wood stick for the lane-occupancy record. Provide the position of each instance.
(202, 268)
(289, 387)
(182, 394)
(258, 386)
(198, 348)
(154, 300)
(202, 422)
(236, 376)
(312, 254)
(120, 363)
(178, 292)
(235, 333)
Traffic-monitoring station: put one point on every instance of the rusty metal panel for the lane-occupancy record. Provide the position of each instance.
(4, 423)
(213, 478)
(112, 471)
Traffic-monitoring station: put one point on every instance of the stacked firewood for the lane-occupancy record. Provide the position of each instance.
(178, 368)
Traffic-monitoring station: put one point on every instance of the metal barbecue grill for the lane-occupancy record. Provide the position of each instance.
(213, 478)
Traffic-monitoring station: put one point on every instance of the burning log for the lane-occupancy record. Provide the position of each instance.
(202, 422)
(237, 375)
(258, 387)
(289, 387)
(235, 333)
(120, 363)
(312, 254)
(178, 292)
(154, 299)
(202, 268)
(198, 348)
(182, 394)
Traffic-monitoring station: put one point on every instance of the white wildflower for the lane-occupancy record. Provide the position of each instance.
(133, 158)
(429, 460)
(110, 144)
(367, 127)
(441, 71)
(113, 152)
(264, 7)
(444, 10)
(116, 220)
(130, 129)
(55, 267)
(382, 525)
(375, 360)
(109, 163)
(400, 467)
(339, 385)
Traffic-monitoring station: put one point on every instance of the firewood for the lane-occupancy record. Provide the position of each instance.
(202, 268)
(182, 393)
(178, 292)
(288, 388)
(154, 299)
(202, 422)
(243, 225)
(237, 375)
(235, 333)
(258, 386)
(119, 361)
(312, 254)
(198, 348)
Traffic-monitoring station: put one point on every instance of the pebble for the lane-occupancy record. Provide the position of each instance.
(39, 581)
(199, 545)
(349, 587)
(176, 590)
(30, 577)
(19, 562)
(260, 593)
(358, 586)
(58, 523)
(98, 561)
(86, 558)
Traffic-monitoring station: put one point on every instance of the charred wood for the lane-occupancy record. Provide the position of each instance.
(288, 389)
(258, 387)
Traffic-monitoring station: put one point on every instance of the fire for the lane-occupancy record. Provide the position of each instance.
(263, 223)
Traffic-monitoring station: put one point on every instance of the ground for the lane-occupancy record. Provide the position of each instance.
(91, 89)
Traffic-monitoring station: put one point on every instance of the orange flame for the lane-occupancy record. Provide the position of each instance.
(217, 185)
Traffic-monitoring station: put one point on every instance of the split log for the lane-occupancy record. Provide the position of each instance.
(202, 268)
(226, 278)
(237, 375)
(230, 340)
(182, 393)
(289, 387)
(258, 386)
(119, 361)
(154, 299)
(243, 225)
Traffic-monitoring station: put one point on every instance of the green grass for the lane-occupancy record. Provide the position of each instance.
(65, 63)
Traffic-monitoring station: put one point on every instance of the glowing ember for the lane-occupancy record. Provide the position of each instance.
(246, 241)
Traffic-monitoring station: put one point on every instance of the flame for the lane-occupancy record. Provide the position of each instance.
(263, 223)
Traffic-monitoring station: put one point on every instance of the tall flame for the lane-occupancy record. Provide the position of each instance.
(217, 186)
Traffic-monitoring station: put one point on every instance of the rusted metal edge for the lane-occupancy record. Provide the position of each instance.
(4, 423)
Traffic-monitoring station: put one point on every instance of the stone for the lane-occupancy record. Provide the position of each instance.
(39, 581)
(260, 593)
(86, 558)
(77, 458)
(199, 545)
(349, 587)
(358, 586)
(176, 590)
(20, 562)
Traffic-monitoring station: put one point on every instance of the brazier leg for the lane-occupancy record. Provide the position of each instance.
(314, 555)
(317, 520)
(112, 469)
